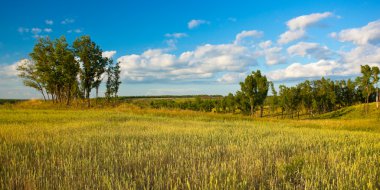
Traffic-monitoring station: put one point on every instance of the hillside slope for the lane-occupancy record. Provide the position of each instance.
(353, 112)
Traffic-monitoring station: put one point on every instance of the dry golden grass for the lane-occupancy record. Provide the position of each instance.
(131, 148)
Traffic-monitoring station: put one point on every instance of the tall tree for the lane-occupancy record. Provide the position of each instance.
(42, 57)
(116, 80)
(255, 87)
(68, 67)
(113, 79)
(375, 80)
(92, 64)
(366, 83)
(30, 77)
(274, 99)
(262, 90)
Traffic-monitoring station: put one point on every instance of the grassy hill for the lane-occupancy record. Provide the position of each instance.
(354, 112)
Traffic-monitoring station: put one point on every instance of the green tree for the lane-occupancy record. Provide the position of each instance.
(68, 67)
(367, 81)
(30, 77)
(93, 64)
(255, 88)
(43, 60)
(113, 79)
(274, 99)
(375, 78)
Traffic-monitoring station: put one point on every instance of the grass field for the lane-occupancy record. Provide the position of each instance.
(132, 148)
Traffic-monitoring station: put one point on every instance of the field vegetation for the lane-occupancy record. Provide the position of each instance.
(126, 147)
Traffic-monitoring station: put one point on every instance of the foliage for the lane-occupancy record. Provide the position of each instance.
(63, 73)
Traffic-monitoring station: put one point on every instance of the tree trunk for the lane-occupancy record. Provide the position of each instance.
(88, 98)
(97, 91)
(43, 94)
(68, 95)
(261, 111)
(367, 109)
(377, 98)
(251, 102)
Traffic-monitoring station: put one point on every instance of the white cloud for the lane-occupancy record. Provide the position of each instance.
(49, 22)
(297, 26)
(310, 70)
(347, 65)
(68, 21)
(314, 50)
(369, 34)
(176, 35)
(195, 23)
(202, 63)
(108, 54)
(291, 35)
(247, 34)
(265, 44)
(304, 21)
(273, 55)
(48, 30)
(361, 55)
(231, 78)
(11, 70)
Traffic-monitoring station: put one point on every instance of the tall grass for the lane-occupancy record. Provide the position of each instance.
(131, 148)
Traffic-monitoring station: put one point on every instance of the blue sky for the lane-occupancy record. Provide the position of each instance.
(199, 47)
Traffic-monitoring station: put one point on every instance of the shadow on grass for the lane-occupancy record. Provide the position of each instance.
(336, 114)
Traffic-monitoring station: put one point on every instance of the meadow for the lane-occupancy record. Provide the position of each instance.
(127, 147)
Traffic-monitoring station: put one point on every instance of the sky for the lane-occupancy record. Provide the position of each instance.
(168, 47)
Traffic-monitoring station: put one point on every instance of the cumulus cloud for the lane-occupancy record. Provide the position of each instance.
(297, 26)
(49, 22)
(291, 35)
(176, 35)
(108, 54)
(231, 78)
(202, 63)
(360, 55)
(305, 21)
(314, 50)
(265, 44)
(369, 34)
(272, 54)
(247, 34)
(310, 70)
(11, 70)
(195, 23)
(347, 65)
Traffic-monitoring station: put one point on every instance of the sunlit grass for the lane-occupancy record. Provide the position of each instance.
(131, 148)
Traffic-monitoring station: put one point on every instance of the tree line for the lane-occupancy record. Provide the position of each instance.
(307, 98)
(63, 73)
